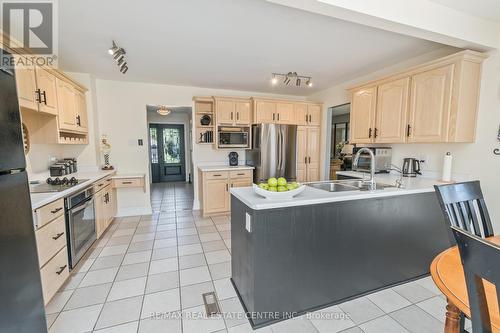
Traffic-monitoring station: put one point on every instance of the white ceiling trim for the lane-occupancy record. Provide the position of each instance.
(440, 23)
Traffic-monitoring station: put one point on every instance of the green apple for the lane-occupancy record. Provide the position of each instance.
(281, 181)
(273, 182)
(290, 187)
(272, 189)
(282, 189)
(264, 186)
(294, 184)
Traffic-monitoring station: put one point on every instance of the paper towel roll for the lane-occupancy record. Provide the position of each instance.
(448, 159)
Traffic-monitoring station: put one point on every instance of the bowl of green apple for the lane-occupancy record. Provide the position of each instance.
(278, 188)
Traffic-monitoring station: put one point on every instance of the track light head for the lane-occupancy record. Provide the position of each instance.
(113, 49)
(124, 68)
(298, 82)
(274, 80)
(309, 83)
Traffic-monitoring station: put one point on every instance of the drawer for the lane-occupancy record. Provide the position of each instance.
(50, 239)
(54, 274)
(241, 174)
(101, 184)
(49, 212)
(216, 175)
(128, 182)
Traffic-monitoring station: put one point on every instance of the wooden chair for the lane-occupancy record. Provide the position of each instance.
(464, 207)
(481, 260)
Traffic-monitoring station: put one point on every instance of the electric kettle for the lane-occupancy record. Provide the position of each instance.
(411, 167)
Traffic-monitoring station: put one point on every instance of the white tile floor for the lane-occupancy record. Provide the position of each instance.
(148, 266)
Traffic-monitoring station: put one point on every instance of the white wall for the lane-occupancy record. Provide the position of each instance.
(471, 161)
(179, 118)
(123, 118)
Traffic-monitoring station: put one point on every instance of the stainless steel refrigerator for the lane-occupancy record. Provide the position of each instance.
(21, 306)
(273, 151)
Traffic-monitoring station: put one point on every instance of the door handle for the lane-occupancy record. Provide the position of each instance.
(375, 134)
(61, 269)
(307, 119)
(231, 116)
(227, 187)
(278, 117)
(274, 115)
(237, 116)
(370, 132)
(44, 97)
(310, 118)
(408, 130)
(78, 120)
(58, 235)
(38, 97)
(309, 159)
(305, 160)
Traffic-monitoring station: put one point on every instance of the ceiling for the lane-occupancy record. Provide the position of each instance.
(487, 9)
(228, 44)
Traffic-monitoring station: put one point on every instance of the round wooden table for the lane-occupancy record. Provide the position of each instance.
(448, 275)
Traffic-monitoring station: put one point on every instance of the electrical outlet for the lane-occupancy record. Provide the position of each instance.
(248, 222)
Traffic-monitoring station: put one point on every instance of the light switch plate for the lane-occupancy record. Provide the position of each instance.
(248, 222)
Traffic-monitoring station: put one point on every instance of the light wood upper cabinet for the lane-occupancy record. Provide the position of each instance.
(314, 114)
(81, 112)
(430, 105)
(284, 113)
(234, 112)
(225, 111)
(67, 106)
(47, 84)
(265, 112)
(243, 113)
(392, 110)
(26, 87)
(363, 107)
(301, 116)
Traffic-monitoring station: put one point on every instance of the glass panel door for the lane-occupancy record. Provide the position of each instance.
(171, 152)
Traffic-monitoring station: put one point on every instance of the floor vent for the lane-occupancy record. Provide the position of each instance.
(211, 304)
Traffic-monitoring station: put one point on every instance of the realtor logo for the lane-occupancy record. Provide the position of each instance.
(30, 28)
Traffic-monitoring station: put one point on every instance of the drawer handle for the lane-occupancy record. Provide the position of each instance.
(217, 175)
(56, 210)
(100, 185)
(125, 183)
(240, 174)
(58, 235)
(61, 269)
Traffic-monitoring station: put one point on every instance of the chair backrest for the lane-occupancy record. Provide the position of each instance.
(481, 260)
(464, 207)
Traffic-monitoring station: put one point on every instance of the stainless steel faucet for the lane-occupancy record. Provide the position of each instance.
(371, 181)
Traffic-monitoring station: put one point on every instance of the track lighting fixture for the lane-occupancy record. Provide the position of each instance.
(291, 78)
(118, 54)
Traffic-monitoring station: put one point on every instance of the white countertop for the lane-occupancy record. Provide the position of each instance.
(204, 168)
(311, 196)
(41, 199)
(129, 175)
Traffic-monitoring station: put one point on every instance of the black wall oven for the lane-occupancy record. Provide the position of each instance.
(80, 224)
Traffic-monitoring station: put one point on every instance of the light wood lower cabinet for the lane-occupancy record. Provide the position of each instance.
(50, 239)
(215, 187)
(54, 274)
(105, 208)
(308, 153)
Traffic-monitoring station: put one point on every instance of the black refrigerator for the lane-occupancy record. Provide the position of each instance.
(21, 299)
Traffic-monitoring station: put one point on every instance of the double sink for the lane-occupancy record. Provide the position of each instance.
(347, 185)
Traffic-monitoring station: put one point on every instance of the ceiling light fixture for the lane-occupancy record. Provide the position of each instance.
(163, 110)
(118, 54)
(292, 78)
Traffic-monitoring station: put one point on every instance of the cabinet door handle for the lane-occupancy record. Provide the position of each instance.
(237, 116)
(231, 116)
(61, 269)
(309, 159)
(58, 235)
(227, 187)
(38, 96)
(310, 118)
(305, 160)
(274, 115)
(44, 94)
(408, 130)
(370, 132)
(375, 133)
(307, 119)
(78, 120)
(56, 210)
(278, 117)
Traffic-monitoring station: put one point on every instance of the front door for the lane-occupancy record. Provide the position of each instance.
(170, 163)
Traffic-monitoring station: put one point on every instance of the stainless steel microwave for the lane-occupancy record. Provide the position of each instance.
(383, 159)
(233, 137)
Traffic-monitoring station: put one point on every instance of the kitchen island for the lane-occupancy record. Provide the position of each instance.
(322, 248)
